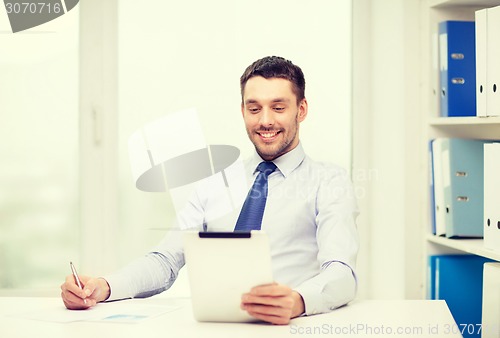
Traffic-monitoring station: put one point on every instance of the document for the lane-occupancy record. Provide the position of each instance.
(121, 312)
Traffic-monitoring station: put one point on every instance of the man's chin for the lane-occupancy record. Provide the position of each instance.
(267, 153)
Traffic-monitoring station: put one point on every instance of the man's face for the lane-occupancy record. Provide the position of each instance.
(272, 116)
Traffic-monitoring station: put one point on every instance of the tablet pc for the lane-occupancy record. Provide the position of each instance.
(222, 266)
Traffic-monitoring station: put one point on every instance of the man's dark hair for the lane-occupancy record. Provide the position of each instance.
(276, 67)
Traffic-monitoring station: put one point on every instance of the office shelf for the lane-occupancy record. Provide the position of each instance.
(470, 246)
(467, 121)
(465, 3)
(486, 128)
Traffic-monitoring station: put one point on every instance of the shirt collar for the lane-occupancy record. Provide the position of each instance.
(286, 163)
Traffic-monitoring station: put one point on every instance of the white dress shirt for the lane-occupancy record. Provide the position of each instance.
(310, 221)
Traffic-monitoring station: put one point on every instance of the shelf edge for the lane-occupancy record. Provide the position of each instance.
(460, 121)
(472, 246)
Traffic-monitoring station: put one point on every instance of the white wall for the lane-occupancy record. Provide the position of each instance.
(386, 123)
(387, 217)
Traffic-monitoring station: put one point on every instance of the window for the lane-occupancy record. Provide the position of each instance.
(39, 165)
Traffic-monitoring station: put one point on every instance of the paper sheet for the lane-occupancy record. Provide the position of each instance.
(118, 312)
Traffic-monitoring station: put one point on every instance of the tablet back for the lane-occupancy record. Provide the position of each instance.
(221, 267)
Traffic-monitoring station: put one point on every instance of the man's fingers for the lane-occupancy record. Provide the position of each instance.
(271, 290)
(70, 286)
(271, 318)
(279, 301)
(265, 309)
(75, 298)
(73, 302)
(272, 309)
(274, 303)
(89, 288)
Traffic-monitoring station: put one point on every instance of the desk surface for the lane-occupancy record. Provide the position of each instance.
(409, 318)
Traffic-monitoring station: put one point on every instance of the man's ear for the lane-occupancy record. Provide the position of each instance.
(302, 110)
(242, 109)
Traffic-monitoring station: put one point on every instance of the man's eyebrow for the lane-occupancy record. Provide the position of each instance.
(276, 100)
(281, 99)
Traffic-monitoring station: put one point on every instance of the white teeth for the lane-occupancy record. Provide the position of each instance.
(267, 135)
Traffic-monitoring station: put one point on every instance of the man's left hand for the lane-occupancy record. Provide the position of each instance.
(273, 303)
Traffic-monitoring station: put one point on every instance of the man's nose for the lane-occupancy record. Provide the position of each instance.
(266, 117)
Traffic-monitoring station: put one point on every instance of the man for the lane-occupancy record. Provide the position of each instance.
(309, 215)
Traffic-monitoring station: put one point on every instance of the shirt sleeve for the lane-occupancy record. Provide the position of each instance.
(151, 274)
(158, 270)
(338, 244)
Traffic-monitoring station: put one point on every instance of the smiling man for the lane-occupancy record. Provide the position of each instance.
(309, 215)
(272, 113)
(319, 213)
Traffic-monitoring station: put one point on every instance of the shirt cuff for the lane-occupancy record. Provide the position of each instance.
(312, 298)
(333, 287)
(118, 288)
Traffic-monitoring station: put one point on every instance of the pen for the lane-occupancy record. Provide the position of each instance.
(75, 275)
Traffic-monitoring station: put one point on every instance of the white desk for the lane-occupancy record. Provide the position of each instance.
(416, 318)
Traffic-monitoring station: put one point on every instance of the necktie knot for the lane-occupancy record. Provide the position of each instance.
(266, 168)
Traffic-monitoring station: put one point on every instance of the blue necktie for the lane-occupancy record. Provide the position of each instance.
(253, 209)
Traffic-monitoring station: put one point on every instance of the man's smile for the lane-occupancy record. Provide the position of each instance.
(268, 136)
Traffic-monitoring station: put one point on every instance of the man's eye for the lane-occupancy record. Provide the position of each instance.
(253, 110)
(279, 108)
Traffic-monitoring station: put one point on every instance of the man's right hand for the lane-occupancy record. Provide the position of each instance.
(95, 290)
